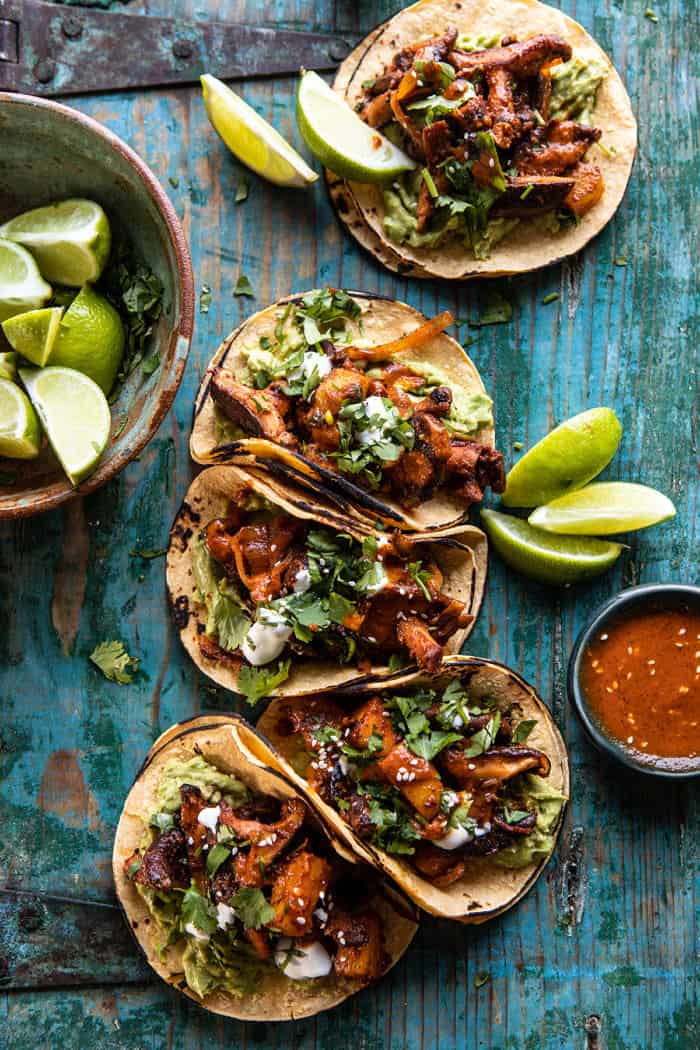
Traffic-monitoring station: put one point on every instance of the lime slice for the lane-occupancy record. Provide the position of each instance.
(340, 140)
(74, 413)
(90, 338)
(21, 285)
(604, 508)
(566, 459)
(8, 365)
(556, 560)
(33, 334)
(69, 240)
(20, 433)
(251, 138)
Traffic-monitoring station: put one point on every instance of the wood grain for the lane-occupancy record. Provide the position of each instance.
(610, 932)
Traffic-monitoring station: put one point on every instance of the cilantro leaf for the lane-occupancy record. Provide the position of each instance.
(251, 908)
(114, 662)
(244, 287)
(242, 190)
(216, 857)
(514, 816)
(147, 553)
(257, 682)
(162, 821)
(136, 292)
(498, 311)
(523, 730)
(421, 577)
(484, 739)
(375, 743)
(428, 745)
(204, 299)
(198, 911)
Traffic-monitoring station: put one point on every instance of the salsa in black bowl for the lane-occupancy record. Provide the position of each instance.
(634, 679)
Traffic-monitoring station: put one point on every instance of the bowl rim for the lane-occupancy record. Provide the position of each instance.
(60, 491)
(631, 596)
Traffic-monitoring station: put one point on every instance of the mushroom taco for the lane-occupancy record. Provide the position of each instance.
(274, 593)
(521, 130)
(453, 784)
(359, 398)
(234, 889)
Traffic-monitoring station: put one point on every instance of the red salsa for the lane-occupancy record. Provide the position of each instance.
(641, 678)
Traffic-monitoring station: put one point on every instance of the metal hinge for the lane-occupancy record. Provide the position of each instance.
(51, 50)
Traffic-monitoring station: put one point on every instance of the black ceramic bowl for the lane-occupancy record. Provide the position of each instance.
(648, 597)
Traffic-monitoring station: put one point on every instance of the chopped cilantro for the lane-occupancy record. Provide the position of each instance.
(421, 577)
(216, 857)
(326, 734)
(258, 682)
(133, 868)
(481, 979)
(497, 311)
(114, 662)
(651, 15)
(484, 739)
(174, 181)
(150, 363)
(198, 911)
(251, 908)
(162, 820)
(514, 816)
(518, 446)
(242, 190)
(396, 661)
(430, 183)
(523, 730)
(147, 554)
(551, 298)
(204, 299)
(375, 743)
(137, 294)
(244, 287)
(620, 260)
(324, 313)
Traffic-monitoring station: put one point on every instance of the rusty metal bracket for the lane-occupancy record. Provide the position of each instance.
(50, 50)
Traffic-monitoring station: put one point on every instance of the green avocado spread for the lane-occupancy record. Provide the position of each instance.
(463, 213)
(470, 410)
(536, 794)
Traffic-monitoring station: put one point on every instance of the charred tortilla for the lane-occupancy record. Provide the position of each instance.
(435, 425)
(527, 246)
(486, 887)
(274, 995)
(459, 555)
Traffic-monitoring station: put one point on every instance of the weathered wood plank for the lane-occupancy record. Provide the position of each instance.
(612, 928)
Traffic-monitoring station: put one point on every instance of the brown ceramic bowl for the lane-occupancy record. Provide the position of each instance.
(50, 152)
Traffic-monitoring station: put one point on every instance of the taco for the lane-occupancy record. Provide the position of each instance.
(234, 890)
(358, 398)
(452, 784)
(274, 594)
(521, 130)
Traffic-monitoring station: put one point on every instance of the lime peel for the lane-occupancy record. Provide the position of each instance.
(564, 460)
(73, 412)
(20, 433)
(341, 140)
(250, 138)
(603, 509)
(22, 287)
(554, 560)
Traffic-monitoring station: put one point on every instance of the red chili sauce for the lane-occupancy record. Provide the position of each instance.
(641, 678)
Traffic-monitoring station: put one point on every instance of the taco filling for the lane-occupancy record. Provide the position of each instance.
(394, 427)
(277, 587)
(246, 885)
(430, 775)
(500, 129)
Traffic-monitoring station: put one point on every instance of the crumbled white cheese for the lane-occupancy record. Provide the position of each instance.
(302, 962)
(198, 935)
(312, 362)
(266, 638)
(224, 916)
(209, 817)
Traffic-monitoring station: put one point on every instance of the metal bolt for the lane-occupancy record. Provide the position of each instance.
(338, 50)
(72, 27)
(45, 70)
(182, 48)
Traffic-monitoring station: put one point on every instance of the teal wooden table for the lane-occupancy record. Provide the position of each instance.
(604, 952)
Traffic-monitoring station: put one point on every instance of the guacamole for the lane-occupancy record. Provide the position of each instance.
(536, 794)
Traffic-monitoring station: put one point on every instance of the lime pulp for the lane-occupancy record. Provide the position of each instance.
(70, 240)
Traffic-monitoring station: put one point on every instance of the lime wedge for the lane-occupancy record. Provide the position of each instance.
(90, 338)
(340, 140)
(21, 285)
(556, 560)
(69, 240)
(33, 334)
(20, 433)
(251, 138)
(8, 365)
(566, 459)
(604, 508)
(74, 413)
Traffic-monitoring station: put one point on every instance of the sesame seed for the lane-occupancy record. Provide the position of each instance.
(604, 637)
(683, 689)
(630, 739)
(679, 645)
(300, 920)
(683, 630)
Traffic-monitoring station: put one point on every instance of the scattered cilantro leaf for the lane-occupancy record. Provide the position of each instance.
(114, 662)
(244, 287)
(205, 298)
(514, 816)
(420, 576)
(497, 311)
(481, 978)
(484, 739)
(620, 260)
(651, 15)
(551, 298)
(216, 857)
(428, 745)
(137, 294)
(251, 908)
(242, 190)
(120, 426)
(174, 181)
(198, 911)
(162, 821)
(150, 363)
(523, 730)
(133, 868)
(258, 682)
(148, 553)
